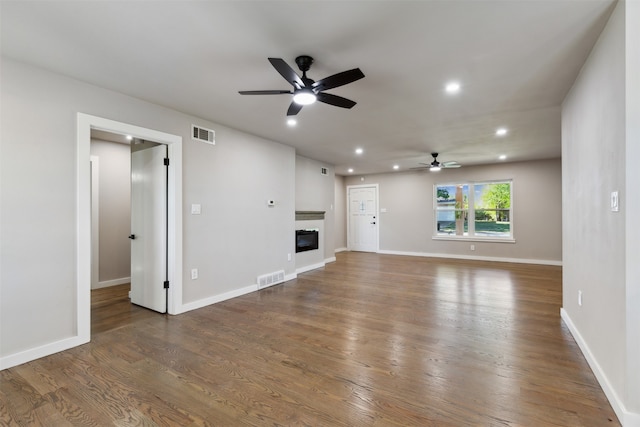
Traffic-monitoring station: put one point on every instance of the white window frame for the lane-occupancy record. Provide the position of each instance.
(471, 213)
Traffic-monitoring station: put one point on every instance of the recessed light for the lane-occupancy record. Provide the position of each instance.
(502, 156)
(129, 137)
(452, 87)
(359, 151)
(501, 131)
(396, 167)
(350, 170)
(291, 122)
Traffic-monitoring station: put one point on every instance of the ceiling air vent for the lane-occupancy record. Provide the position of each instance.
(203, 134)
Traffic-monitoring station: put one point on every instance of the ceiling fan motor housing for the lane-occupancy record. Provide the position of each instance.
(304, 62)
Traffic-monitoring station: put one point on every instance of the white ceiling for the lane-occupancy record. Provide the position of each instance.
(515, 59)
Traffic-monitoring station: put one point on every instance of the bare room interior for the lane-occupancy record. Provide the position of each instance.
(320, 213)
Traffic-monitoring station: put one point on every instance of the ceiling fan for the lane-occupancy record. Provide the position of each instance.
(435, 165)
(305, 90)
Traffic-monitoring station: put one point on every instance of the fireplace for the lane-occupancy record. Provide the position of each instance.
(306, 240)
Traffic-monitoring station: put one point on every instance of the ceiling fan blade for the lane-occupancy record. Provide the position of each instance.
(294, 109)
(420, 167)
(339, 79)
(263, 92)
(450, 165)
(287, 72)
(336, 100)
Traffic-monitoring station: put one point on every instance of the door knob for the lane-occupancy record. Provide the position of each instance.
(132, 236)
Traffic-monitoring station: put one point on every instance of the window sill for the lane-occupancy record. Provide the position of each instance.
(474, 239)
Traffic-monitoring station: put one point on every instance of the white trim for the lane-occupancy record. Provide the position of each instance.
(340, 250)
(291, 276)
(454, 238)
(627, 418)
(175, 227)
(475, 258)
(471, 235)
(83, 233)
(227, 295)
(85, 123)
(377, 187)
(95, 221)
(328, 260)
(112, 282)
(218, 298)
(38, 352)
(309, 267)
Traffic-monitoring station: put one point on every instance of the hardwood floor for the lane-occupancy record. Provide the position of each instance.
(368, 340)
(111, 309)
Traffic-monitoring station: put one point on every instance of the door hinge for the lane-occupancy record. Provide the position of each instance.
(166, 161)
(166, 284)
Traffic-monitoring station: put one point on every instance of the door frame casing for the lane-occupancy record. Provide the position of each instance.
(85, 123)
(377, 188)
(95, 221)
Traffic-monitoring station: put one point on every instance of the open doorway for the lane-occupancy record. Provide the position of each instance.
(173, 146)
(116, 299)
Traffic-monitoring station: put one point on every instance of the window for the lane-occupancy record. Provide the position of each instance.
(476, 210)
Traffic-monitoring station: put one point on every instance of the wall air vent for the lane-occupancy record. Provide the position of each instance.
(270, 279)
(203, 134)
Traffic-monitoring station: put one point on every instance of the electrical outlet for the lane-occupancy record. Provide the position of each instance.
(580, 298)
(473, 247)
(194, 273)
(288, 257)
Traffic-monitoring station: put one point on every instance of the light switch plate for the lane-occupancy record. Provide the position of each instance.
(196, 209)
(615, 202)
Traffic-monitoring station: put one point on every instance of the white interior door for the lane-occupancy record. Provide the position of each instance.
(363, 219)
(148, 228)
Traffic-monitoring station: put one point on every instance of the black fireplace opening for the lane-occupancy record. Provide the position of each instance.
(306, 240)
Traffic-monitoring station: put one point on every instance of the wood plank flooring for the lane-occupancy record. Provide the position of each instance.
(368, 340)
(111, 309)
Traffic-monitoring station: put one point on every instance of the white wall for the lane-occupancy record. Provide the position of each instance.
(598, 134)
(407, 224)
(236, 238)
(632, 204)
(114, 209)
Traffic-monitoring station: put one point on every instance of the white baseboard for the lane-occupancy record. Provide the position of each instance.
(113, 282)
(291, 276)
(38, 352)
(328, 260)
(626, 418)
(217, 298)
(474, 258)
(340, 250)
(226, 296)
(309, 267)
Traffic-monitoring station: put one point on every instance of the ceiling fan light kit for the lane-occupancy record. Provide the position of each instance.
(304, 97)
(436, 166)
(307, 91)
